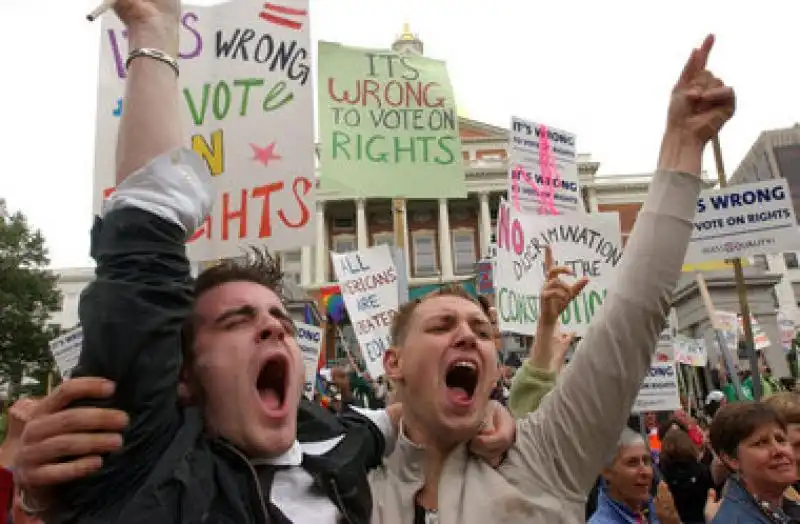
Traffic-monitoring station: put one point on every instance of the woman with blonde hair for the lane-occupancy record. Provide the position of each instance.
(787, 404)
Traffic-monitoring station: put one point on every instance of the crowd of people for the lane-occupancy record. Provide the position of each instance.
(187, 402)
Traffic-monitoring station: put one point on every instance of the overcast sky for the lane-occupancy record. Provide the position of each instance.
(602, 70)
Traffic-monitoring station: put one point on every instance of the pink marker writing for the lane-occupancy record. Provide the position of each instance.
(550, 176)
(545, 188)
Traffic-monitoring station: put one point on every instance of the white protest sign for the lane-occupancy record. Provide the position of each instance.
(66, 350)
(368, 280)
(760, 338)
(542, 169)
(664, 346)
(690, 351)
(590, 245)
(742, 221)
(728, 324)
(659, 390)
(309, 339)
(247, 103)
(786, 331)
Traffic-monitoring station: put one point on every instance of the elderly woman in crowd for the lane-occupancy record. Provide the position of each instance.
(751, 440)
(624, 496)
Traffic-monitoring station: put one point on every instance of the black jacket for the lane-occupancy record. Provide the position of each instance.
(170, 471)
(689, 482)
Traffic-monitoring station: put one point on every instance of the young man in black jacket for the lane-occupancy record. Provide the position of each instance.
(236, 458)
(209, 372)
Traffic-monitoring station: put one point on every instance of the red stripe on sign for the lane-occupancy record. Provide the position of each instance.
(285, 10)
(277, 20)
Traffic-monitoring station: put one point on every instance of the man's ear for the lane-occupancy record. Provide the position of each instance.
(391, 364)
(187, 390)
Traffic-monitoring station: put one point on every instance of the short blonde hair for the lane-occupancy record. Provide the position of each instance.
(787, 403)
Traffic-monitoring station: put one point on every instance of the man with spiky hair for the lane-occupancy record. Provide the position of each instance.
(205, 376)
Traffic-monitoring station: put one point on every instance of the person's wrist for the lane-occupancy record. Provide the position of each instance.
(546, 328)
(10, 445)
(681, 151)
(161, 34)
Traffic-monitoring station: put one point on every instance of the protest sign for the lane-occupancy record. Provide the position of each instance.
(760, 338)
(369, 282)
(659, 390)
(484, 278)
(690, 351)
(542, 169)
(786, 330)
(388, 125)
(247, 103)
(309, 339)
(743, 220)
(728, 325)
(66, 350)
(665, 346)
(589, 245)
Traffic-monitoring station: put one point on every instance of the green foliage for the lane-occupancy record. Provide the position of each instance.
(28, 298)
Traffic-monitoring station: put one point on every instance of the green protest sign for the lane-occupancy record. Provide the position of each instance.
(388, 125)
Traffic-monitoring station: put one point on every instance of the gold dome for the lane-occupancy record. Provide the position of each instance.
(407, 34)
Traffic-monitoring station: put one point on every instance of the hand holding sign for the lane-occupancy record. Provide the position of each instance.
(133, 12)
(701, 103)
(556, 294)
(151, 23)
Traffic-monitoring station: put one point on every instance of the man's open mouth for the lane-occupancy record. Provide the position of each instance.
(272, 382)
(461, 380)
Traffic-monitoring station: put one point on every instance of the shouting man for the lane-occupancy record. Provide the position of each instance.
(444, 354)
(224, 345)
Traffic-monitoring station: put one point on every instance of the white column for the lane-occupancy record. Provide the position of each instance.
(592, 200)
(406, 240)
(485, 224)
(361, 224)
(305, 266)
(321, 250)
(445, 250)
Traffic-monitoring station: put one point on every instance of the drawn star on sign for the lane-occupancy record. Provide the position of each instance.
(265, 154)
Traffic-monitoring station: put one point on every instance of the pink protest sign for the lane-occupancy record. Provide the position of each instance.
(543, 169)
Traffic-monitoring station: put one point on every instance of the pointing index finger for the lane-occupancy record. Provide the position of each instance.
(548, 258)
(689, 69)
(704, 51)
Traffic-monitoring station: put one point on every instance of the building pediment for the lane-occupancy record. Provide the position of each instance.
(474, 130)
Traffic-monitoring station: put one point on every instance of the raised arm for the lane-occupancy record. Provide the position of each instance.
(537, 376)
(151, 122)
(132, 314)
(566, 441)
